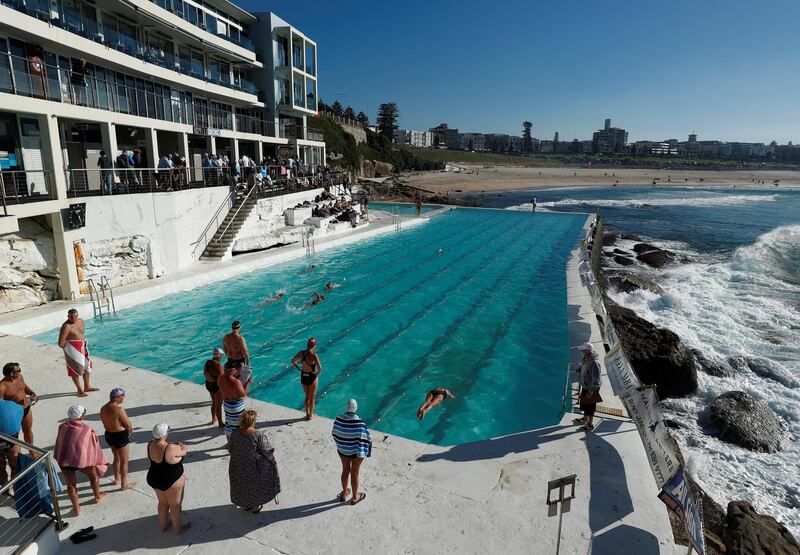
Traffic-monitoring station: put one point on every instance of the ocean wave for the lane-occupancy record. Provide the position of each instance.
(720, 200)
(747, 306)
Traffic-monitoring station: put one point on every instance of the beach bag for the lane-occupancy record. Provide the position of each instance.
(591, 399)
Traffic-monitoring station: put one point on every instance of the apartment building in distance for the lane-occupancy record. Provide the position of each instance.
(609, 140)
(159, 76)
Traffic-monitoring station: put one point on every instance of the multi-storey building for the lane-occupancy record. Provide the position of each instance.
(420, 139)
(609, 140)
(447, 136)
(188, 77)
(400, 136)
(472, 141)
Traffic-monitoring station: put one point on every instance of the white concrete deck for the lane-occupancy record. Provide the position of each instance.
(483, 497)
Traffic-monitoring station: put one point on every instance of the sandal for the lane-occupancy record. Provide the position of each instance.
(361, 496)
(342, 496)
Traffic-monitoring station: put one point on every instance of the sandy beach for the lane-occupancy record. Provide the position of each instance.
(477, 179)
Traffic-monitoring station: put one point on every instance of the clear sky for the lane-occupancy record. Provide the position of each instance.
(725, 69)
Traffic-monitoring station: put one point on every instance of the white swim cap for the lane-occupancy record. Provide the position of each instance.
(160, 430)
(586, 347)
(75, 412)
(352, 406)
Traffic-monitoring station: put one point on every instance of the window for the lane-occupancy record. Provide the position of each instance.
(310, 59)
(190, 14)
(299, 99)
(198, 69)
(6, 85)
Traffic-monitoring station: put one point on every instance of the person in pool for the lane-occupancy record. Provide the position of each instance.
(309, 269)
(316, 300)
(310, 367)
(434, 398)
(330, 286)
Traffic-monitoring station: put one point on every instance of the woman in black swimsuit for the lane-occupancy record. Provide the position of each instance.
(433, 398)
(166, 477)
(310, 368)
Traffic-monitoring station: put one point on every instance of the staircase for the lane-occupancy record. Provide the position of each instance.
(221, 243)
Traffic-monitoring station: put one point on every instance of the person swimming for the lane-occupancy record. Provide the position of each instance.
(275, 298)
(316, 300)
(309, 269)
(330, 286)
(434, 398)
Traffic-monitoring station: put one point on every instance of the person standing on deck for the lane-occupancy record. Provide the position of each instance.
(13, 388)
(118, 435)
(418, 204)
(234, 392)
(353, 443)
(310, 368)
(212, 371)
(235, 347)
(72, 339)
(590, 386)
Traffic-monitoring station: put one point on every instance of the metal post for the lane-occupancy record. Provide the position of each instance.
(52, 482)
(562, 502)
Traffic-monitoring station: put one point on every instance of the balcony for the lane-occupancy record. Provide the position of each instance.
(24, 186)
(304, 133)
(90, 28)
(184, 14)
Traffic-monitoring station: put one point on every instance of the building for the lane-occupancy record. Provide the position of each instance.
(609, 140)
(473, 142)
(446, 137)
(420, 139)
(160, 77)
(400, 136)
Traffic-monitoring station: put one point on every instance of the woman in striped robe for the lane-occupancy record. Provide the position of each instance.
(353, 443)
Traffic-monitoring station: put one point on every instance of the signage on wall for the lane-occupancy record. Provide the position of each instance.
(210, 131)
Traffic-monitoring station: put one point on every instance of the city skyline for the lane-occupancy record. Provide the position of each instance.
(695, 68)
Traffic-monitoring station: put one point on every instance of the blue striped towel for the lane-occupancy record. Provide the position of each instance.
(351, 435)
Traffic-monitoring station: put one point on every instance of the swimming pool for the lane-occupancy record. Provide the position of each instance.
(403, 209)
(474, 301)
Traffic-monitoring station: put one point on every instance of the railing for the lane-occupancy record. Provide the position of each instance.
(23, 516)
(120, 181)
(304, 133)
(241, 40)
(213, 225)
(250, 124)
(23, 186)
(567, 392)
(76, 22)
(250, 192)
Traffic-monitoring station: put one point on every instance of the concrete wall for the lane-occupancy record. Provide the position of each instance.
(358, 133)
(262, 229)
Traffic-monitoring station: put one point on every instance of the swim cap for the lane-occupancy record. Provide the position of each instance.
(75, 412)
(116, 392)
(586, 347)
(218, 351)
(160, 430)
(236, 324)
(312, 342)
(352, 406)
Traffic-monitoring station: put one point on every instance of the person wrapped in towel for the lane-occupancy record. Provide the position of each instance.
(77, 448)
(234, 392)
(72, 339)
(353, 443)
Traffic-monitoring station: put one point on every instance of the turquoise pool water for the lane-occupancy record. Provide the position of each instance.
(402, 209)
(474, 301)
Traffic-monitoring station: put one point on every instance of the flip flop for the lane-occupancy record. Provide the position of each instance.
(361, 496)
(342, 496)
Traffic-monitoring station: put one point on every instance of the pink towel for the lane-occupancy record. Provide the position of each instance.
(77, 446)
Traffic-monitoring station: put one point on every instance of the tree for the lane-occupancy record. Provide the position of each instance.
(336, 108)
(349, 113)
(527, 140)
(388, 114)
(362, 119)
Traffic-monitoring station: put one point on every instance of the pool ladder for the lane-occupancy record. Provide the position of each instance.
(308, 243)
(398, 223)
(102, 297)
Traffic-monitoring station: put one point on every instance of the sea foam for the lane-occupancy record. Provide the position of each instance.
(717, 200)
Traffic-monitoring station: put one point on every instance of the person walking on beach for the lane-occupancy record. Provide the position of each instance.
(235, 347)
(353, 443)
(77, 448)
(589, 386)
(253, 471)
(167, 478)
(212, 371)
(72, 339)
(118, 435)
(434, 398)
(13, 388)
(310, 368)
(234, 393)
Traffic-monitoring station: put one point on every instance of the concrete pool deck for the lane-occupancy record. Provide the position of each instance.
(482, 497)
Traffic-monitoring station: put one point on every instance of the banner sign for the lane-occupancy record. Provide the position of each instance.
(642, 405)
(611, 335)
(620, 372)
(677, 495)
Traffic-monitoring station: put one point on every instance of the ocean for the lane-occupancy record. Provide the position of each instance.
(736, 294)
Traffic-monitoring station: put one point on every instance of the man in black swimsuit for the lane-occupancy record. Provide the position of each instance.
(118, 434)
(434, 398)
(212, 371)
(310, 368)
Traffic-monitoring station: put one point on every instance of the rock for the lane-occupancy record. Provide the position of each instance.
(712, 366)
(765, 368)
(622, 252)
(21, 254)
(34, 280)
(609, 239)
(631, 237)
(382, 168)
(623, 260)
(629, 284)
(747, 422)
(11, 278)
(674, 424)
(644, 247)
(657, 258)
(139, 243)
(21, 297)
(747, 532)
(656, 354)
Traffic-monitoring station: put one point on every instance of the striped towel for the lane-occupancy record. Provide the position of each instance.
(233, 410)
(76, 352)
(77, 446)
(351, 435)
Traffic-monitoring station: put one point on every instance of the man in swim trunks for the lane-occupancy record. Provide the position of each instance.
(434, 398)
(235, 347)
(310, 368)
(72, 339)
(118, 434)
(234, 393)
(212, 371)
(14, 388)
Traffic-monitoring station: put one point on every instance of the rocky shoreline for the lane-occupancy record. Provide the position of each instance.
(659, 357)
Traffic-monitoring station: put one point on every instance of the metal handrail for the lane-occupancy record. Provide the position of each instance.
(567, 389)
(233, 218)
(227, 203)
(106, 286)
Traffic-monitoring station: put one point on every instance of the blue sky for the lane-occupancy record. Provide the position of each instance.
(726, 70)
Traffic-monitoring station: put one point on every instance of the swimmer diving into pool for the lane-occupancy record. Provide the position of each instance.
(434, 398)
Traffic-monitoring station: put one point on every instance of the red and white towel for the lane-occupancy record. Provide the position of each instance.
(76, 353)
